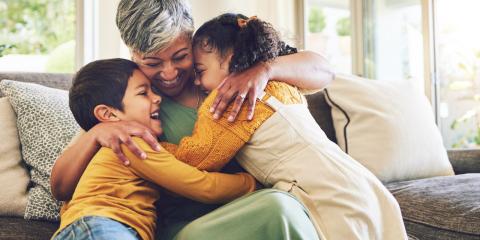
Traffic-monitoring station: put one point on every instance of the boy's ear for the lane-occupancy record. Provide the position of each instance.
(105, 113)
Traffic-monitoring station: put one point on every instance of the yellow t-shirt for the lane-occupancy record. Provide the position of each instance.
(127, 194)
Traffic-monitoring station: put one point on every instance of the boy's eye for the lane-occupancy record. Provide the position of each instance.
(142, 93)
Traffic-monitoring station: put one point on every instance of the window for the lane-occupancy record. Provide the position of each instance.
(433, 44)
(393, 40)
(328, 31)
(457, 61)
(37, 35)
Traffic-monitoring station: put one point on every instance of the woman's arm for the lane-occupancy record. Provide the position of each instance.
(71, 164)
(306, 70)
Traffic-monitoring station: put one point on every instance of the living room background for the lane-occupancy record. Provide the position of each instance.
(432, 43)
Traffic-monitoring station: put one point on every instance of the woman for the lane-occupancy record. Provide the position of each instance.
(158, 34)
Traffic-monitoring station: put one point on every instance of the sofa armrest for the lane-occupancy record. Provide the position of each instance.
(465, 160)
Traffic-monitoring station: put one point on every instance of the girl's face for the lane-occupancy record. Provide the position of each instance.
(171, 69)
(210, 68)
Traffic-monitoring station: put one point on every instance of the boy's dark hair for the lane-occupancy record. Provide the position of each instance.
(99, 82)
(255, 42)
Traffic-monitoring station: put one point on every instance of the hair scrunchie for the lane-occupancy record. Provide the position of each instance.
(243, 22)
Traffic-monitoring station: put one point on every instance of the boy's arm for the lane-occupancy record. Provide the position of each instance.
(71, 164)
(164, 170)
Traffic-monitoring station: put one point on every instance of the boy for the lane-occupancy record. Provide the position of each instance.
(113, 201)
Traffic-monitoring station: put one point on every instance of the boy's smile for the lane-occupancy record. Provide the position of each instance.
(140, 103)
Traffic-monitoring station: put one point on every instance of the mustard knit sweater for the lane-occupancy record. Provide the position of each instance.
(214, 142)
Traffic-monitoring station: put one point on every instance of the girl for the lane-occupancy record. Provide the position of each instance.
(282, 146)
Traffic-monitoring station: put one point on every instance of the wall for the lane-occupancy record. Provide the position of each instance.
(101, 38)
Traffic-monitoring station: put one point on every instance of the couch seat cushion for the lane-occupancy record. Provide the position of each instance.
(445, 207)
(21, 229)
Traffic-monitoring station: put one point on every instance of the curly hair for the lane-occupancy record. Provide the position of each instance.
(255, 42)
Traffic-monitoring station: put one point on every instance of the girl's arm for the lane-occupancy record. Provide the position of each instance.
(214, 142)
(163, 169)
(306, 70)
(71, 164)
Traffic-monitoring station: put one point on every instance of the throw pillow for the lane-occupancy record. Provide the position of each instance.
(388, 127)
(13, 175)
(45, 126)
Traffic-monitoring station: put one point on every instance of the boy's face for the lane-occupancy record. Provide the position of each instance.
(140, 104)
(210, 69)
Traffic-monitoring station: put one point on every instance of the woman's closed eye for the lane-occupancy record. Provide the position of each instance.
(180, 58)
(199, 71)
(152, 64)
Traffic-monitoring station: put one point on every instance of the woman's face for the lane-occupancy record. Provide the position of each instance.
(171, 69)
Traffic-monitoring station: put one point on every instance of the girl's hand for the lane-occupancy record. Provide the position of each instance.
(238, 86)
(113, 134)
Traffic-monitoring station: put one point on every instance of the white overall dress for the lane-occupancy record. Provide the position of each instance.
(346, 201)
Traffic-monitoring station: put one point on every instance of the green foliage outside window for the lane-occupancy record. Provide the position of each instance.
(4, 48)
(316, 20)
(343, 27)
(471, 70)
(36, 26)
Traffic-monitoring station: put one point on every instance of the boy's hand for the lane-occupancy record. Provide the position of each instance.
(249, 83)
(113, 134)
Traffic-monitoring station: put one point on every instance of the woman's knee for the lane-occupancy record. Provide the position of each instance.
(280, 203)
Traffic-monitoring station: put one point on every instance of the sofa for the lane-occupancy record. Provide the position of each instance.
(433, 208)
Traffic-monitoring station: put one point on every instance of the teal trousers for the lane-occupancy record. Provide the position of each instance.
(264, 214)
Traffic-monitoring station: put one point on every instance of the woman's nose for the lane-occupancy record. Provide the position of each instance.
(197, 82)
(169, 72)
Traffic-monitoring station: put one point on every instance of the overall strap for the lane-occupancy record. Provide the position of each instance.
(271, 101)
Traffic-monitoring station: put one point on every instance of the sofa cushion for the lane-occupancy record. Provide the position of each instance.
(45, 126)
(445, 207)
(20, 229)
(388, 127)
(321, 112)
(54, 80)
(13, 176)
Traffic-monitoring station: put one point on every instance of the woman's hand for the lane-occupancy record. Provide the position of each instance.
(113, 134)
(238, 86)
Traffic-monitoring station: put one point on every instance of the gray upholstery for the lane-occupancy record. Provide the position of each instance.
(433, 208)
(12, 228)
(54, 80)
(440, 207)
(465, 160)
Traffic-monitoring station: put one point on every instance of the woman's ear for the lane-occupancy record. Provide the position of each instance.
(104, 113)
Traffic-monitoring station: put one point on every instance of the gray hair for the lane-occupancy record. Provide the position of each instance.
(148, 26)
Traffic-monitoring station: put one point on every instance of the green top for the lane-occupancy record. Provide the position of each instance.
(177, 120)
